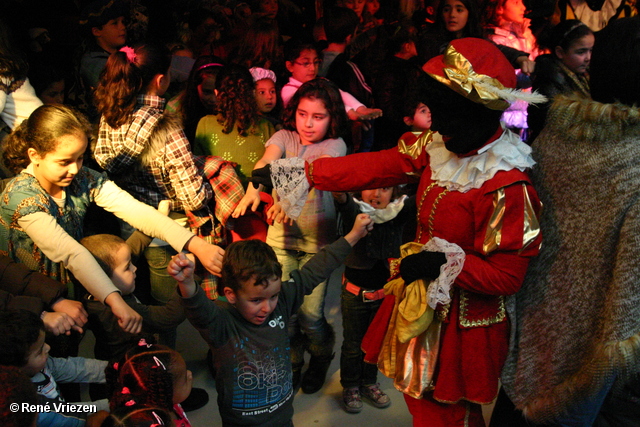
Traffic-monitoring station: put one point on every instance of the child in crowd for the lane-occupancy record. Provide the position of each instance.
(394, 83)
(22, 345)
(151, 375)
(43, 208)
(105, 28)
(457, 19)
(267, 95)
(48, 82)
(303, 61)
(248, 334)
(366, 272)
(17, 388)
(17, 97)
(21, 288)
(340, 26)
(563, 71)
(238, 133)
(314, 122)
(115, 257)
(138, 416)
(144, 150)
(199, 97)
(417, 116)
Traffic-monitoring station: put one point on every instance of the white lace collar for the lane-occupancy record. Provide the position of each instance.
(466, 173)
(380, 216)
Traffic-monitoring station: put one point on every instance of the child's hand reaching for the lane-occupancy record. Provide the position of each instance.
(181, 268)
(250, 200)
(361, 227)
(277, 214)
(209, 255)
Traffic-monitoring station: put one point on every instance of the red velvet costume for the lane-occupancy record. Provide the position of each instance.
(495, 225)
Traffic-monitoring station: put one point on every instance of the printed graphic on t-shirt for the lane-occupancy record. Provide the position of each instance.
(263, 378)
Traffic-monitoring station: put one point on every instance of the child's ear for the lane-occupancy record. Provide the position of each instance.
(34, 157)
(160, 79)
(408, 120)
(559, 52)
(289, 66)
(96, 32)
(230, 295)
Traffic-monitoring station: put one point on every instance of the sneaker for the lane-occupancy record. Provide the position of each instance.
(377, 397)
(351, 399)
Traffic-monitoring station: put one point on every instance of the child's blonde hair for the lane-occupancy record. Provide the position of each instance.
(103, 247)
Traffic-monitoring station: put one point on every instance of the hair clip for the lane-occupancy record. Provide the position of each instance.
(125, 390)
(143, 342)
(158, 419)
(159, 363)
(131, 54)
(130, 403)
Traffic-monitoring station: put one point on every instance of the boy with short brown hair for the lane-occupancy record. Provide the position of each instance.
(248, 334)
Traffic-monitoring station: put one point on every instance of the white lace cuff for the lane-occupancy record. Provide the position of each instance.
(290, 181)
(439, 289)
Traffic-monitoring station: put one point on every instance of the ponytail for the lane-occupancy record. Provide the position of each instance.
(15, 157)
(127, 74)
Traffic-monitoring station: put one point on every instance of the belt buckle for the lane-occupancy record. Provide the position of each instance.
(364, 291)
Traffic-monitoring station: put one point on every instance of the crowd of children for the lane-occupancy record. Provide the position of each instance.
(208, 161)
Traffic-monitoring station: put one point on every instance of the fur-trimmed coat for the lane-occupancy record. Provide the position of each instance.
(577, 319)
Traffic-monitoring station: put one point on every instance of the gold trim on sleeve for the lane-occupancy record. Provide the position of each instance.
(531, 225)
(310, 172)
(493, 235)
(417, 148)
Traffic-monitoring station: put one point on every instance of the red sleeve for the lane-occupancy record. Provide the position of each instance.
(507, 236)
(362, 171)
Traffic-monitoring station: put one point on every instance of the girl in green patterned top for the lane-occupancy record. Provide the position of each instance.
(237, 133)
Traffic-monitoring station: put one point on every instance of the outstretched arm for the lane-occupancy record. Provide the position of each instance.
(251, 198)
(181, 268)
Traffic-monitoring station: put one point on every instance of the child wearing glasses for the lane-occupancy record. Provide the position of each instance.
(302, 60)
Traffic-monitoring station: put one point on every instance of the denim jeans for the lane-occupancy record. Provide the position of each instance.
(356, 318)
(162, 284)
(310, 318)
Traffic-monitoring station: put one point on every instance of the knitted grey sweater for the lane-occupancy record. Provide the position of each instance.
(577, 316)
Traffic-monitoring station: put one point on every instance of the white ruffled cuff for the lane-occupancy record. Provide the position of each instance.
(439, 289)
(290, 181)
